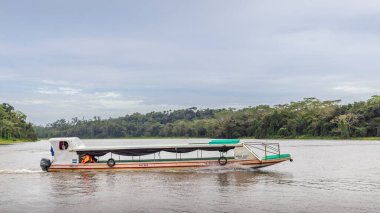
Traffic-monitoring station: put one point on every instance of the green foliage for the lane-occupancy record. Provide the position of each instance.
(13, 125)
(307, 118)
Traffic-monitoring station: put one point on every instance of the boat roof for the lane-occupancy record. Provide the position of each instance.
(137, 150)
(169, 146)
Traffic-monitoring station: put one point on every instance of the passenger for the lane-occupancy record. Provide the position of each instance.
(87, 159)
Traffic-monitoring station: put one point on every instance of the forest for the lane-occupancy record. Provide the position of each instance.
(13, 125)
(310, 117)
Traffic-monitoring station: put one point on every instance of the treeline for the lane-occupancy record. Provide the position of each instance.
(13, 124)
(309, 117)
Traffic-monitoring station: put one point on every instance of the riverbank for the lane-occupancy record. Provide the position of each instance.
(367, 138)
(334, 138)
(304, 137)
(5, 141)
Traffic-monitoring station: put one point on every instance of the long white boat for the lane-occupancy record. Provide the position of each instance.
(70, 154)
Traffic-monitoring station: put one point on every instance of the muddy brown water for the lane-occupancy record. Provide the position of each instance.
(326, 176)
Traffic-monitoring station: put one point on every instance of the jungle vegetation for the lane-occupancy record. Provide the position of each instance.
(13, 125)
(310, 117)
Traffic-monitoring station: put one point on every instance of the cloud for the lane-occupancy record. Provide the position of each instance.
(47, 102)
(354, 89)
(29, 102)
(136, 57)
(60, 90)
(55, 82)
(107, 94)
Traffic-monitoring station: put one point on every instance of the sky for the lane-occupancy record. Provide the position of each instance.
(65, 59)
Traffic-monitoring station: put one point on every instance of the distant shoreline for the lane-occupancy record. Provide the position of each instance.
(243, 138)
(6, 142)
(320, 138)
(9, 142)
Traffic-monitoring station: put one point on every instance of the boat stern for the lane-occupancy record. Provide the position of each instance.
(62, 151)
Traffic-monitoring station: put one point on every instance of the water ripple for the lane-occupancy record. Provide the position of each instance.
(19, 171)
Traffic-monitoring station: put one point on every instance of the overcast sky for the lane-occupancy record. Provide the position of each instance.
(64, 59)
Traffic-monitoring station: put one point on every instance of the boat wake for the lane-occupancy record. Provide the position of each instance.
(19, 171)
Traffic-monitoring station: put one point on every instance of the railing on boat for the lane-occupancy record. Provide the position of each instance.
(266, 148)
(261, 150)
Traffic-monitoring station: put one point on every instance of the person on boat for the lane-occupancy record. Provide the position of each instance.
(87, 159)
(52, 151)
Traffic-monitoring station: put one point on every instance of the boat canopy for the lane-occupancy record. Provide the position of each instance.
(150, 149)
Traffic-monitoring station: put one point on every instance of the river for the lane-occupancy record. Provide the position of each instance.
(325, 176)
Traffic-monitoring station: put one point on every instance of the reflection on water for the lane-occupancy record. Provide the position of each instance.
(321, 179)
(68, 184)
(147, 185)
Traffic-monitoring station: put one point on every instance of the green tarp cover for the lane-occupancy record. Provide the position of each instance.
(224, 141)
(271, 157)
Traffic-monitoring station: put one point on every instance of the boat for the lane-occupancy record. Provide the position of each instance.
(71, 154)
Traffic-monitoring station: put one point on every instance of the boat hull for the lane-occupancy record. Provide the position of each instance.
(153, 165)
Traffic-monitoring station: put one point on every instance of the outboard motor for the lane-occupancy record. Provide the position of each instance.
(45, 164)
